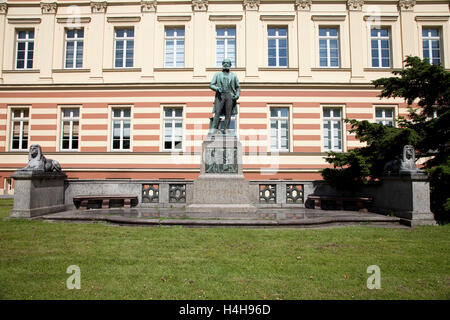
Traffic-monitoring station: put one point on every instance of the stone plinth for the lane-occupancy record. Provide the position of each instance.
(37, 193)
(407, 195)
(221, 187)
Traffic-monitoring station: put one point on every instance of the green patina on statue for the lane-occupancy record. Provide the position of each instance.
(227, 88)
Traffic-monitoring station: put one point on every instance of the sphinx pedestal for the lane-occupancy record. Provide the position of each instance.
(37, 193)
(221, 187)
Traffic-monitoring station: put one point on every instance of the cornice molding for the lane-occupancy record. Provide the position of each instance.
(380, 18)
(72, 20)
(225, 18)
(432, 18)
(24, 20)
(123, 19)
(328, 18)
(174, 18)
(30, 87)
(271, 17)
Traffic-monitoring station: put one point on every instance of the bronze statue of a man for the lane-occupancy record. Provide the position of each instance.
(226, 86)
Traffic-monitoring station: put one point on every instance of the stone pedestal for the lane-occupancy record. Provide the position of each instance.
(37, 193)
(221, 187)
(407, 195)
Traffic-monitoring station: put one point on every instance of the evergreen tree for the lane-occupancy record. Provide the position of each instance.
(426, 128)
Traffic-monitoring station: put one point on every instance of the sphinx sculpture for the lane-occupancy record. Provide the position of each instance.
(38, 162)
(405, 165)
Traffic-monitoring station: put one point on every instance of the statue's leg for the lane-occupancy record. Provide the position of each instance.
(219, 110)
(228, 109)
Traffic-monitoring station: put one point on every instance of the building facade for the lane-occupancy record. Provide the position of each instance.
(118, 89)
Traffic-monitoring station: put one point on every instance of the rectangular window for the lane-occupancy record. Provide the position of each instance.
(74, 48)
(19, 126)
(232, 129)
(121, 119)
(332, 129)
(329, 47)
(385, 116)
(277, 47)
(25, 49)
(431, 43)
(380, 48)
(279, 129)
(174, 48)
(124, 48)
(70, 127)
(173, 128)
(225, 45)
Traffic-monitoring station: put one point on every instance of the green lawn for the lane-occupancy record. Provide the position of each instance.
(220, 263)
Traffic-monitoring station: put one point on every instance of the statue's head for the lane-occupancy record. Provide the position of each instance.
(226, 64)
(35, 152)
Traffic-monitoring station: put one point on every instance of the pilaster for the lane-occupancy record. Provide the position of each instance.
(251, 8)
(200, 8)
(95, 52)
(355, 15)
(305, 39)
(45, 45)
(409, 47)
(3, 11)
(148, 9)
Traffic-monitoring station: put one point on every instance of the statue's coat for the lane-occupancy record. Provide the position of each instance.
(218, 82)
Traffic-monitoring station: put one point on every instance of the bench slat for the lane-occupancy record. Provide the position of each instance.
(340, 201)
(84, 199)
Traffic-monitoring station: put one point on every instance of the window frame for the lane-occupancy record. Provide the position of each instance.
(430, 39)
(383, 118)
(332, 119)
(226, 38)
(328, 47)
(27, 41)
(121, 118)
(21, 119)
(173, 119)
(76, 41)
(70, 119)
(379, 39)
(175, 39)
(277, 39)
(279, 119)
(125, 39)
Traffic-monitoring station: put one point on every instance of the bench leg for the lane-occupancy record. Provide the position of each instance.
(105, 204)
(127, 203)
(83, 205)
(317, 204)
(340, 204)
(361, 207)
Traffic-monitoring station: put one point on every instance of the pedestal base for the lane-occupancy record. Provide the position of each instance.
(221, 186)
(407, 195)
(37, 193)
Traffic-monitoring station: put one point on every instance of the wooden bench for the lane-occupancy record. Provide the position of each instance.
(105, 199)
(361, 202)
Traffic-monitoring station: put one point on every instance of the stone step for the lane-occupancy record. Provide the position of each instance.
(308, 218)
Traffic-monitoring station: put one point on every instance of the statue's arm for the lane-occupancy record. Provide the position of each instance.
(213, 85)
(238, 88)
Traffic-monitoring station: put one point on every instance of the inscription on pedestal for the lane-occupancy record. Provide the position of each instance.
(221, 160)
